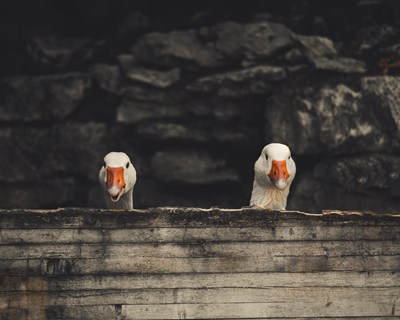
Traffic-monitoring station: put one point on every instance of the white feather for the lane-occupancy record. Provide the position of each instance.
(116, 160)
(265, 193)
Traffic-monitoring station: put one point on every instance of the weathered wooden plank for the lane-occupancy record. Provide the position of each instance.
(185, 217)
(313, 297)
(105, 312)
(114, 312)
(200, 249)
(155, 235)
(227, 264)
(200, 280)
(31, 313)
(286, 308)
(197, 263)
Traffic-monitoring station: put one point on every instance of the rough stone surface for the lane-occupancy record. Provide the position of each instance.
(341, 65)
(202, 131)
(174, 48)
(314, 47)
(162, 131)
(360, 182)
(191, 167)
(319, 195)
(255, 41)
(332, 118)
(362, 173)
(71, 149)
(80, 149)
(39, 194)
(108, 77)
(61, 53)
(25, 153)
(192, 92)
(151, 94)
(127, 61)
(255, 80)
(370, 37)
(155, 78)
(54, 97)
(134, 111)
(383, 94)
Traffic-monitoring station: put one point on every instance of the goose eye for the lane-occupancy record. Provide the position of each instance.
(266, 157)
(289, 157)
(127, 165)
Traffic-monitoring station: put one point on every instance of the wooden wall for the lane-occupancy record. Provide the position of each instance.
(187, 263)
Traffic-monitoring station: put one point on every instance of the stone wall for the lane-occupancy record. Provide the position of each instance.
(192, 92)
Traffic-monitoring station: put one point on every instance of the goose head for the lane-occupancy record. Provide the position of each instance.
(118, 177)
(274, 172)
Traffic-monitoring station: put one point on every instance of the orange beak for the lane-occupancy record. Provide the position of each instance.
(278, 171)
(115, 177)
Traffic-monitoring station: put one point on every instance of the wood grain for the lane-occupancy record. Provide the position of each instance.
(192, 263)
(203, 280)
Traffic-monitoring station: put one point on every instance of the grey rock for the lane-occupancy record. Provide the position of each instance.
(254, 80)
(362, 173)
(329, 118)
(151, 94)
(303, 193)
(264, 39)
(54, 97)
(369, 38)
(382, 93)
(62, 53)
(334, 187)
(314, 47)
(42, 194)
(341, 65)
(222, 109)
(127, 61)
(71, 150)
(325, 196)
(322, 54)
(25, 153)
(79, 149)
(389, 52)
(230, 109)
(191, 167)
(173, 49)
(253, 41)
(134, 111)
(294, 55)
(149, 193)
(230, 40)
(165, 131)
(108, 77)
(155, 78)
(237, 134)
(335, 198)
(201, 132)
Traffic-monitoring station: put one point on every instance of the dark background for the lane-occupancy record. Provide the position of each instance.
(192, 91)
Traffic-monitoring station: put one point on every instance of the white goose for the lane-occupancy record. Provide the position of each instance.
(118, 178)
(274, 172)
